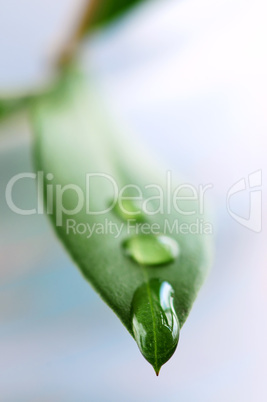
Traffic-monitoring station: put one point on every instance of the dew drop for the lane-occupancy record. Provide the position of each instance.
(155, 323)
(151, 249)
(127, 209)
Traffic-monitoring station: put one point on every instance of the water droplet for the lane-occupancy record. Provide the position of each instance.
(127, 209)
(151, 249)
(155, 323)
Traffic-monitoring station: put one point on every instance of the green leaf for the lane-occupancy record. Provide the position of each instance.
(147, 271)
(106, 11)
(9, 106)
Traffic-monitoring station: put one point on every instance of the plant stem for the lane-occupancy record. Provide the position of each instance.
(78, 33)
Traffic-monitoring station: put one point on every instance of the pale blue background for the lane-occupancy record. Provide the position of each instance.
(188, 77)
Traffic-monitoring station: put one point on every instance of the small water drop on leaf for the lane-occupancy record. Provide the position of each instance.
(127, 209)
(151, 249)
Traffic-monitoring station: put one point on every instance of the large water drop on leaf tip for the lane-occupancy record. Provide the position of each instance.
(155, 323)
(151, 249)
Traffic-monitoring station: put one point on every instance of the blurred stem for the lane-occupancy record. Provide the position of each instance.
(12, 105)
(79, 32)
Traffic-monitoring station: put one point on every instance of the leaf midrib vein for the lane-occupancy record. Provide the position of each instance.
(153, 316)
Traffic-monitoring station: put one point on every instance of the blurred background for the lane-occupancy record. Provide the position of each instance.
(189, 78)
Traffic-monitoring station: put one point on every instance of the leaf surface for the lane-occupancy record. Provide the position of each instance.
(84, 155)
